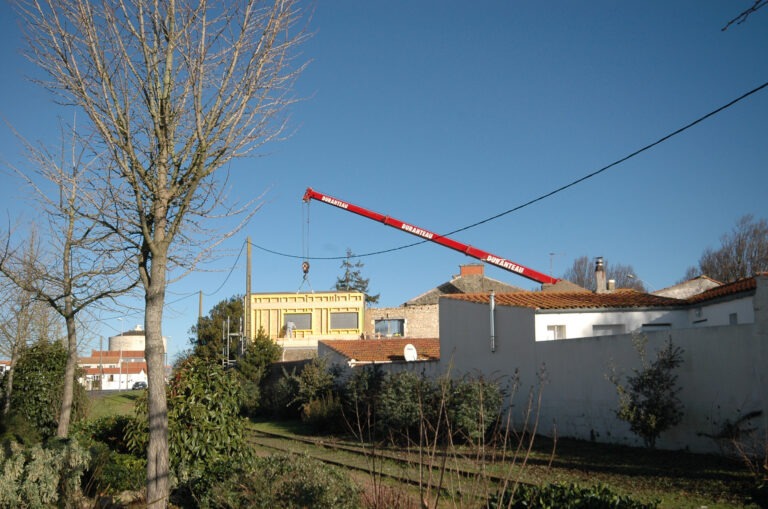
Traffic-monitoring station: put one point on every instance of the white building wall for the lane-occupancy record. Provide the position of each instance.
(720, 313)
(581, 325)
(723, 375)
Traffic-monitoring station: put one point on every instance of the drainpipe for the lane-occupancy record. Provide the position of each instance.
(492, 308)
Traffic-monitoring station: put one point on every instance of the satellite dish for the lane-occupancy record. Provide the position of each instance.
(409, 352)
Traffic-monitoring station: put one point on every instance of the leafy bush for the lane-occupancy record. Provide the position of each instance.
(204, 423)
(111, 472)
(404, 400)
(38, 386)
(566, 496)
(109, 430)
(285, 482)
(323, 414)
(473, 407)
(649, 401)
(253, 366)
(41, 476)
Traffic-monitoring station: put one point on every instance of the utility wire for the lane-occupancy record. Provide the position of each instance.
(546, 195)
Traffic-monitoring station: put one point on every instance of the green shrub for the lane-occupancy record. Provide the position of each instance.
(406, 401)
(567, 496)
(38, 386)
(285, 482)
(323, 414)
(473, 407)
(649, 402)
(109, 430)
(204, 423)
(41, 476)
(111, 472)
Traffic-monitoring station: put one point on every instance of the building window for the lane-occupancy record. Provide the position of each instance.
(347, 320)
(555, 331)
(297, 321)
(611, 329)
(390, 327)
(733, 318)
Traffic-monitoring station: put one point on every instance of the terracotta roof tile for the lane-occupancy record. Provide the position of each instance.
(623, 298)
(738, 286)
(381, 350)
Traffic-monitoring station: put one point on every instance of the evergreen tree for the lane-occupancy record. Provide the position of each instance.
(207, 337)
(352, 280)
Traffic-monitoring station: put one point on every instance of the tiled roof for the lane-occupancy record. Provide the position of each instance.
(622, 298)
(380, 350)
(573, 300)
(739, 286)
(131, 368)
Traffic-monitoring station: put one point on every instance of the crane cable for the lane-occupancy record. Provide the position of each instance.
(305, 247)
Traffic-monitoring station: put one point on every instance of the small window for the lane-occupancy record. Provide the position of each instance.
(297, 321)
(555, 331)
(347, 320)
(390, 327)
(733, 319)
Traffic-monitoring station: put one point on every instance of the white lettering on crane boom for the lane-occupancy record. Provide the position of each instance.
(417, 231)
(504, 264)
(333, 201)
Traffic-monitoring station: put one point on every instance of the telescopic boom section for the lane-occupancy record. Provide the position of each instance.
(498, 261)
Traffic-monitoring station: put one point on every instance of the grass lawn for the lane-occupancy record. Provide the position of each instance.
(112, 403)
(676, 479)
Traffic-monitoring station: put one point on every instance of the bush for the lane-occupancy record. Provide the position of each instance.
(323, 414)
(566, 496)
(649, 401)
(405, 401)
(259, 355)
(285, 482)
(41, 476)
(111, 472)
(204, 423)
(38, 386)
(473, 407)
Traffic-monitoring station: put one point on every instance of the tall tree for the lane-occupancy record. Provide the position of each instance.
(208, 336)
(582, 272)
(352, 278)
(175, 91)
(742, 253)
(75, 264)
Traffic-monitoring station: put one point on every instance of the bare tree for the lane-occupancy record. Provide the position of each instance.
(22, 320)
(77, 263)
(742, 17)
(742, 253)
(174, 90)
(582, 272)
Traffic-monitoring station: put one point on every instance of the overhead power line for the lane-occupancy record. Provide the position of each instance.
(543, 196)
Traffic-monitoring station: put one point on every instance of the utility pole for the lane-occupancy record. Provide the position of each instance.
(247, 307)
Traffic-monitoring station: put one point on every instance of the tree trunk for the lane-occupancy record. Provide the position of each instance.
(9, 378)
(67, 398)
(157, 452)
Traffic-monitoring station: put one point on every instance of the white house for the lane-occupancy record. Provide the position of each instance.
(566, 344)
(113, 369)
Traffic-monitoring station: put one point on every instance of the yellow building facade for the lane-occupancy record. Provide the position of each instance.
(301, 319)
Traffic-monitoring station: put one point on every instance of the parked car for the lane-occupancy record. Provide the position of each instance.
(139, 385)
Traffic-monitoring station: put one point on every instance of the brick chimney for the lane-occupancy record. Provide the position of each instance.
(475, 269)
(600, 283)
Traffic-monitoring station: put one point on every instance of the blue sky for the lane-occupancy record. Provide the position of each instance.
(445, 113)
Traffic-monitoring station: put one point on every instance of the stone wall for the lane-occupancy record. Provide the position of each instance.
(420, 321)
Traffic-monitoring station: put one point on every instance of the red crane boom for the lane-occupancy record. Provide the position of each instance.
(468, 250)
